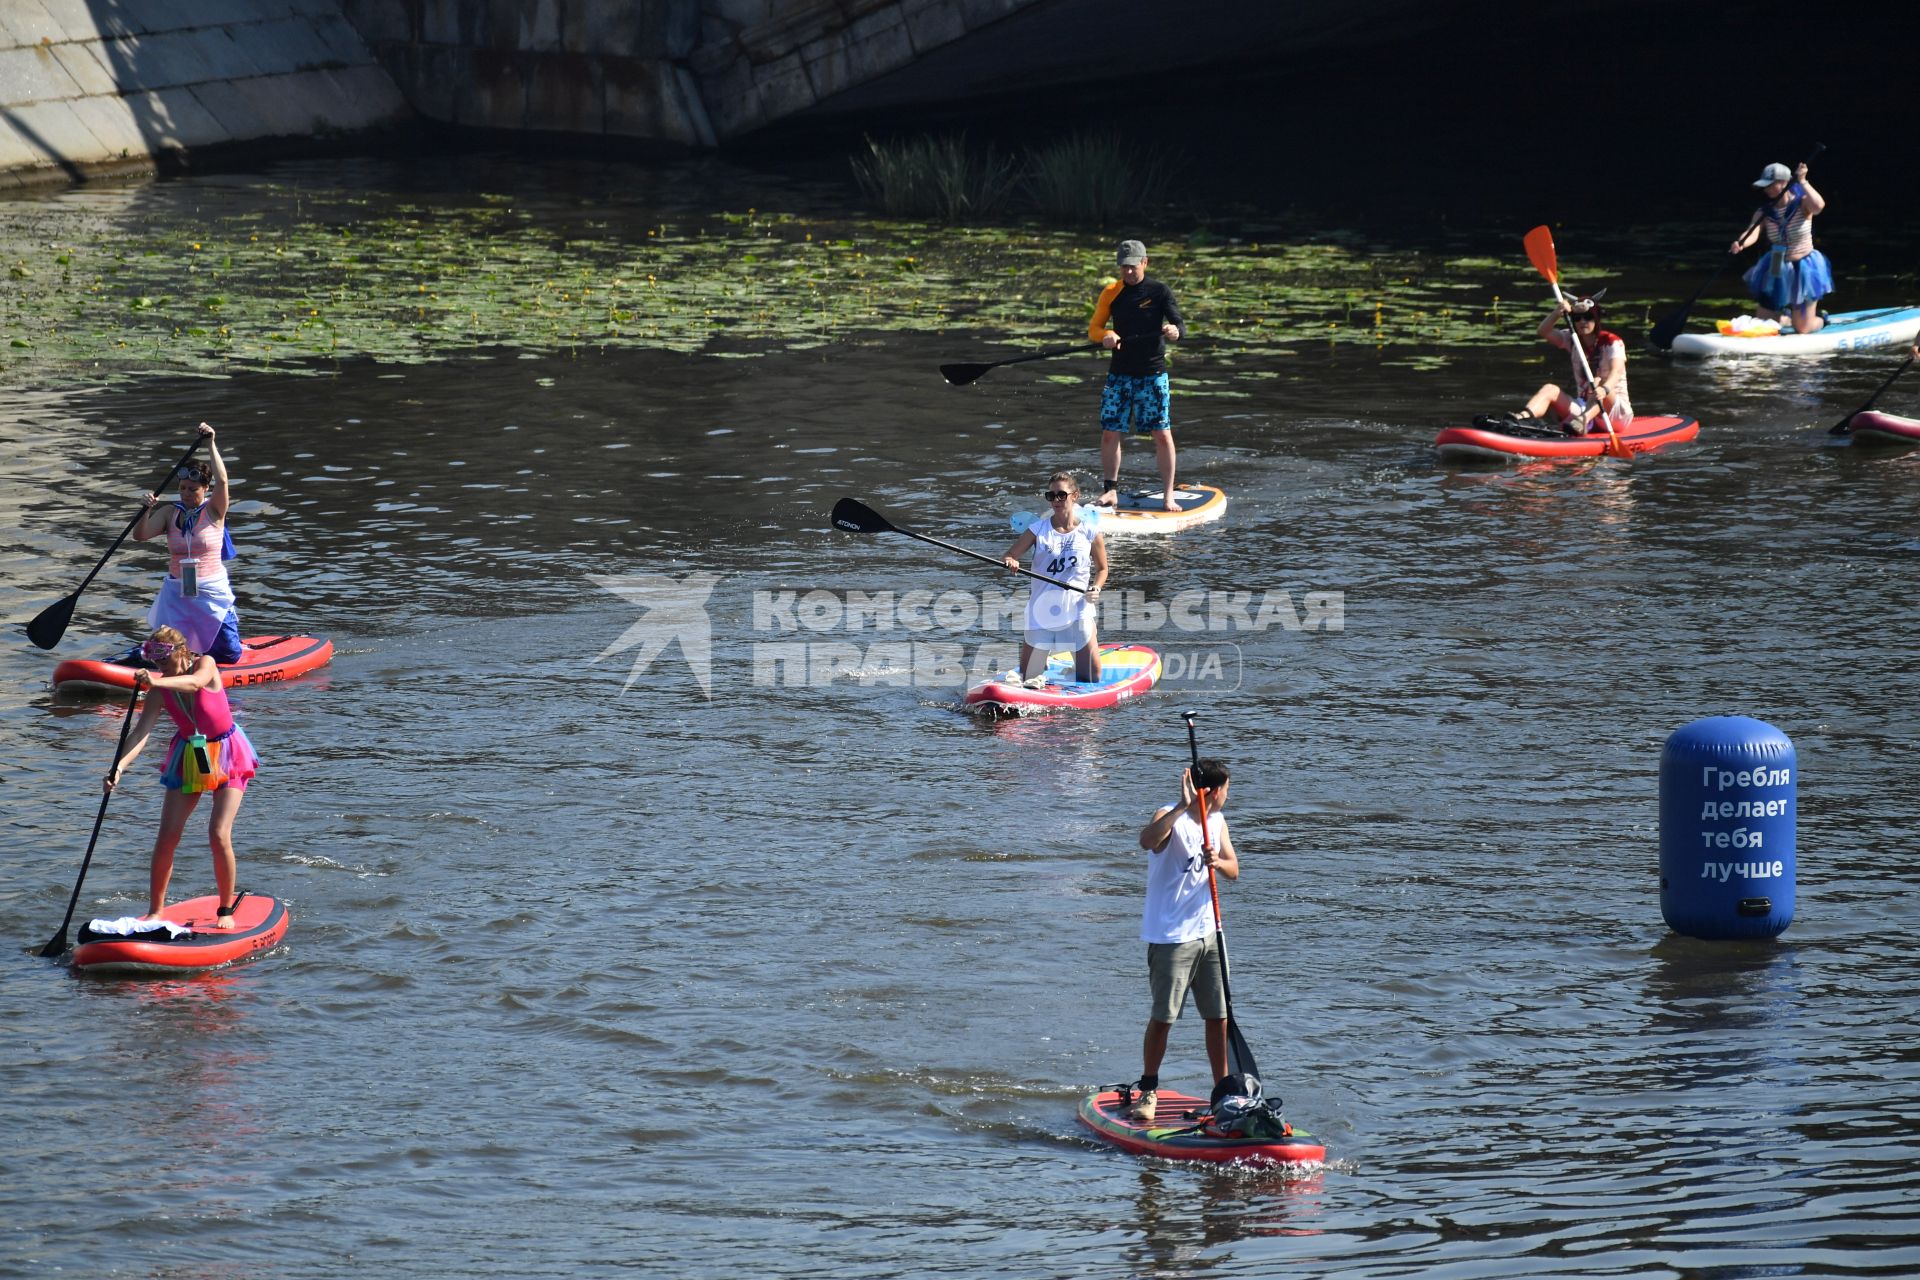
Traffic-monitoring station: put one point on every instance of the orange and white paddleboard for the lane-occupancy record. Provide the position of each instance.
(1145, 510)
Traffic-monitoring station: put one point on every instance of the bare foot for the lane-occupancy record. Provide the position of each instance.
(1173, 503)
(1107, 498)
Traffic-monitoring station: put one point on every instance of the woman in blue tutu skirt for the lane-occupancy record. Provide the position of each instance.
(1792, 276)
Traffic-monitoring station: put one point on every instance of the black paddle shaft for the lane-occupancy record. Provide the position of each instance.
(960, 375)
(57, 945)
(857, 517)
(1236, 1042)
(51, 622)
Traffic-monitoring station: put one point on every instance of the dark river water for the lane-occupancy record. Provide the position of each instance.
(596, 971)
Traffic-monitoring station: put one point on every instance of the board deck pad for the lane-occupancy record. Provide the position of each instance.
(1179, 1131)
(1145, 511)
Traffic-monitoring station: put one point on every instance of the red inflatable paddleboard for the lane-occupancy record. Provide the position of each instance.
(1126, 671)
(1180, 1131)
(258, 923)
(262, 658)
(1482, 444)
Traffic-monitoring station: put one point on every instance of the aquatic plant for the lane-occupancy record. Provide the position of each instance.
(1094, 179)
(936, 177)
(210, 279)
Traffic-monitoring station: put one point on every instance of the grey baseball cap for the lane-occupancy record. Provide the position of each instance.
(1130, 252)
(1774, 173)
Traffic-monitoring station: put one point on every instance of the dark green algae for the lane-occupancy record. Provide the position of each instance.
(270, 276)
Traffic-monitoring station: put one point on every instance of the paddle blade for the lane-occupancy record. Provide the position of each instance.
(56, 946)
(1843, 427)
(1669, 327)
(857, 517)
(46, 629)
(1539, 242)
(959, 375)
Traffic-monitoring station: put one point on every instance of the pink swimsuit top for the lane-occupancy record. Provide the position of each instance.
(202, 545)
(206, 711)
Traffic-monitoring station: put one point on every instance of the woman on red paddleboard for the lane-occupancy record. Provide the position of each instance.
(1579, 415)
(209, 752)
(195, 597)
(1066, 547)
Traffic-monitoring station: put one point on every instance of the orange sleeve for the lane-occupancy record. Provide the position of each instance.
(1097, 327)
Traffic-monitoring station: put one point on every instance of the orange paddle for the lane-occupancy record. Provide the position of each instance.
(1539, 242)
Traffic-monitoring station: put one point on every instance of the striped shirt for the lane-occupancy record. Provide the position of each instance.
(1792, 227)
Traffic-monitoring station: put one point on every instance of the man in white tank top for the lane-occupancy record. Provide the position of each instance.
(1178, 923)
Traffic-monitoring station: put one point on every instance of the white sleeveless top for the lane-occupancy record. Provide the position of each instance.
(1068, 556)
(1179, 900)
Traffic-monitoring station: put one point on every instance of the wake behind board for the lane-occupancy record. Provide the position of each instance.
(1145, 511)
(258, 923)
(262, 659)
(1126, 671)
(1180, 1131)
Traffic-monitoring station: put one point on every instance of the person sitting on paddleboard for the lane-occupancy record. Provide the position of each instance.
(1792, 276)
(1606, 357)
(1178, 923)
(1135, 318)
(188, 685)
(195, 597)
(1068, 548)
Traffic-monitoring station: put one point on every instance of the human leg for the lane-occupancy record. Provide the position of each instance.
(1113, 425)
(174, 812)
(226, 642)
(226, 807)
(1549, 396)
(1164, 455)
(1807, 317)
(1217, 1047)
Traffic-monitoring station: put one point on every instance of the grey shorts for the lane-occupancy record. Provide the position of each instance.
(1174, 968)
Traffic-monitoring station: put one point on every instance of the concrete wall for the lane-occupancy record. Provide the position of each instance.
(687, 72)
(100, 85)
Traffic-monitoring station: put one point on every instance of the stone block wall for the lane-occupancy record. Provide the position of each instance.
(687, 72)
(95, 85)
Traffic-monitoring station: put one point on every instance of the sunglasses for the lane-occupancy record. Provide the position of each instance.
(190, 473)
(1585, 317)
(157, 650)
(1054, 495)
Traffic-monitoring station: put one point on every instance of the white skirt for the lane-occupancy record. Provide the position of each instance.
(198, 617)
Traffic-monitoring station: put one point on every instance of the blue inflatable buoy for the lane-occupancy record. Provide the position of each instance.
(1727, 816)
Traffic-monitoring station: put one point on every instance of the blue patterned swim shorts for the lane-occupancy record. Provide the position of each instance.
(1135, 403)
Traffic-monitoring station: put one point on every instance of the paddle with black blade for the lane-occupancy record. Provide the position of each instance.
(857, 517)
(57, 945)
(1540, 252)
(1844, 427)
(51, 623)
(1243, 1062)
(960, 375)
(1674, 321)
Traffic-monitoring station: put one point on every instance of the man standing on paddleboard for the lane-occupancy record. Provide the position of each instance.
(1179, 926)
(1135, 318)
